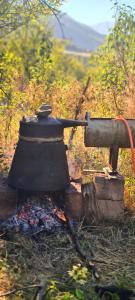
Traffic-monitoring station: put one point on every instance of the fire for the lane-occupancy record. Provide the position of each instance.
(60, 214)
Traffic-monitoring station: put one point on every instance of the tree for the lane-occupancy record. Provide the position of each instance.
(14, 13)
(114, 61)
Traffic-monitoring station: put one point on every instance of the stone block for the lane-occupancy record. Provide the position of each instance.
(75, 168)
(74, 201)
(8, 200)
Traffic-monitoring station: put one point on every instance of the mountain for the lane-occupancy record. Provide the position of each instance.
(103, 28)
(80, 37)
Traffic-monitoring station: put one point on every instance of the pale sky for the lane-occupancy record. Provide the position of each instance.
(91, 11)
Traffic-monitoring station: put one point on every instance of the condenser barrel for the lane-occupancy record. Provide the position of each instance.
(104, 132)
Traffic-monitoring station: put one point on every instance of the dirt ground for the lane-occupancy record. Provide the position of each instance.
(25, 262)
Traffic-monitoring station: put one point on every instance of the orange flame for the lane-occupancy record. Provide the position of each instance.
(60, 214)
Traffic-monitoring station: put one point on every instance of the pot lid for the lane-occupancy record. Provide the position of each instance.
(44, 111)
(42, 117)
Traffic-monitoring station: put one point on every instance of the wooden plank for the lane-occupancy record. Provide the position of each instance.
(109, 189)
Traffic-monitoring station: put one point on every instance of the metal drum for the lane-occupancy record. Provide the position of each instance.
(108, 132)
(111, 133)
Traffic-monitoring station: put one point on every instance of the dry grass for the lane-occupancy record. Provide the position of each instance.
(25, 262)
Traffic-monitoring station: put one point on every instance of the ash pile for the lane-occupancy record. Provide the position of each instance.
(34, 217)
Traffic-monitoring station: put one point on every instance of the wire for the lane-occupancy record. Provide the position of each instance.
(121, 118)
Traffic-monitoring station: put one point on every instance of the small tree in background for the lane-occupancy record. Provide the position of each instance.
(14, 13)
(115, 62)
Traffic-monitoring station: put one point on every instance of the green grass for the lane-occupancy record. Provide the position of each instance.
(25, 262)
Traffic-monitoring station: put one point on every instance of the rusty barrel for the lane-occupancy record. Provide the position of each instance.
(107, 132)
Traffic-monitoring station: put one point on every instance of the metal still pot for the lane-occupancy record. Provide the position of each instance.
(40, 162)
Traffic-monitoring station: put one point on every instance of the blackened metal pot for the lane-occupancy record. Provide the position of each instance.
(40, 162)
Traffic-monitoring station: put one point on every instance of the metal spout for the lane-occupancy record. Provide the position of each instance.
(72, 123)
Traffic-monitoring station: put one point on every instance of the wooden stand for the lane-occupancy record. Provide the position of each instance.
(104, 199)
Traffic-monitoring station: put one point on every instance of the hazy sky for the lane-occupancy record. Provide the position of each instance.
(91, 11)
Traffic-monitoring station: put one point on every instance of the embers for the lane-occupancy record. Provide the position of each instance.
(60, 214)
(33, 218)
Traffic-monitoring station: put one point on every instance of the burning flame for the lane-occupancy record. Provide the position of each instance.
(60, 214)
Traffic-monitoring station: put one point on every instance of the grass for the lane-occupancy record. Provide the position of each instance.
(25, 262)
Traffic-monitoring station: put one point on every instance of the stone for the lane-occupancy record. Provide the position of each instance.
(8, 200)
(75, 168)
(74, 201)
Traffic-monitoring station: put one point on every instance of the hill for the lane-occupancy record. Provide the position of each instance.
(103, 27)
(81, 37)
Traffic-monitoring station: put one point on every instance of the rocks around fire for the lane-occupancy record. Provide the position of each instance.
(8, 199)
(27, 214)
(74, 205)
(99, 200)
